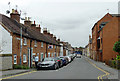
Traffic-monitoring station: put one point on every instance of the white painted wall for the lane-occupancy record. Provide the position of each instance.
(5, 41)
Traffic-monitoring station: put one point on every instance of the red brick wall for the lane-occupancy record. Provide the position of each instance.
(110, 36)
(16, 49)
(95, 35)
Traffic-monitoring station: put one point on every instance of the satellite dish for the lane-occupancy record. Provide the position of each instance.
(7, 12)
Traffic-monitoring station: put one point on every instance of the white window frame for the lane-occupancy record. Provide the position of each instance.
(52, 54)
(35, 43)
(15, 59)
(25, 41)
(42, 44)
(49, 54)
(24, 58)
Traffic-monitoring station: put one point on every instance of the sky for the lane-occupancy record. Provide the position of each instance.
(69, 20)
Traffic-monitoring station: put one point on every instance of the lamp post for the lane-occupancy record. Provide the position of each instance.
(20, 45)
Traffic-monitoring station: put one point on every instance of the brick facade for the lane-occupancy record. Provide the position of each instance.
(104, 34)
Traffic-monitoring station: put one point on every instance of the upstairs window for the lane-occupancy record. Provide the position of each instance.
(35, 43)
(24, 41)
(42, 44)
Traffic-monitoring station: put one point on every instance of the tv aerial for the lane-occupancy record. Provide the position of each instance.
(8, 11)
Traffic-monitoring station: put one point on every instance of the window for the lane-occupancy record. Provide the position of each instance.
(50, 46)
(15, 59)
(48, 54)
(42, 56)
(41, 44)
(54, 54)
(25, 41)
(24, 58)
(35, 43)
(55, 47)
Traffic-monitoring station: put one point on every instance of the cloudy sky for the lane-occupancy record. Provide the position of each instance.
(69, 20)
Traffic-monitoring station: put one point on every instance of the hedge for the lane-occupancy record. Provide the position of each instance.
(20, 67)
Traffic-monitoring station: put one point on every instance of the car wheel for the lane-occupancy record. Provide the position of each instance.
(58, 66)
(38, 68)
(55, 67)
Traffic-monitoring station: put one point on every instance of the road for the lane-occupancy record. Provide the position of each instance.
(80, 68)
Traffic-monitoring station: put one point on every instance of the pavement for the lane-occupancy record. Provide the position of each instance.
(113, 72)
(13, 72)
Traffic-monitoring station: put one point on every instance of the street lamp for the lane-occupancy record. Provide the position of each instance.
(20, 45)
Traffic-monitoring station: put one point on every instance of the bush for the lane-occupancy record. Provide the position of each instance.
(118, 57)
(114, 63)
(116, 47)
(20, 67)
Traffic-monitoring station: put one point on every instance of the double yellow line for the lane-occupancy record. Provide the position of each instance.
(17, 75)
(100, 78)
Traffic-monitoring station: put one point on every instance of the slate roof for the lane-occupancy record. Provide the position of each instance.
(27, 32)
(115, 15)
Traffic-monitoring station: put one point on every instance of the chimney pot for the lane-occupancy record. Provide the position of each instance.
(34, 22)
(25, 18)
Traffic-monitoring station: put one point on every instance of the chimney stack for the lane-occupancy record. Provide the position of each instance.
(45, 31)
(38, 28)
(33, 26)
(54, 37)
(51, 35)
(15, 15)
(59, 40)
(48, 32)
(27, 22)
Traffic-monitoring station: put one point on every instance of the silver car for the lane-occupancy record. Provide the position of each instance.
(48, 63)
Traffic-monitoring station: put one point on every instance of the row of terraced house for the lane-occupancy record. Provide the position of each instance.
(105, 33)
(21, 43)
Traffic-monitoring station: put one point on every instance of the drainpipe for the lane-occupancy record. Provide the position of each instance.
(30, 53)
(20, 46)
(46, 49)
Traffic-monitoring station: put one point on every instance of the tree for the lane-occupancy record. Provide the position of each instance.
(116, 47)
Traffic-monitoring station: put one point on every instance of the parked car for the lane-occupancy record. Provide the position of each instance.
(64, 60)
(78, 55)
(48, 63)
(69, 58)
(59, 61)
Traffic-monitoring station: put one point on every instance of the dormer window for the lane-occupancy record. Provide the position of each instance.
(25, 41)
(35, 43)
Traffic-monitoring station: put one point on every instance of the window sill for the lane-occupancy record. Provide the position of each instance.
(35, 45)
(25, 62)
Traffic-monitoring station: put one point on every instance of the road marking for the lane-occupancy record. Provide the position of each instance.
(101, 76)
(17, 75)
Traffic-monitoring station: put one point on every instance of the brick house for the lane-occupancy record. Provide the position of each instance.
(90, 46)
(25, 41)
(104, 34)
